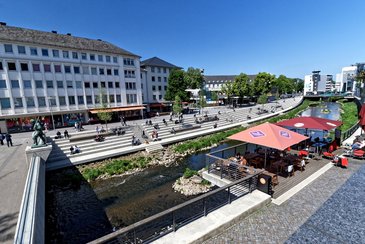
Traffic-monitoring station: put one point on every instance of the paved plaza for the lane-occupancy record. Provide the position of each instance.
(329, 210)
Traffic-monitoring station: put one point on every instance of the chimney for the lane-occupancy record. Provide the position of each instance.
(55, 32)
(3, 23)
(69, 34)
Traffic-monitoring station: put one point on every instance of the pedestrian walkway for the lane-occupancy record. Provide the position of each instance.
(329, 210)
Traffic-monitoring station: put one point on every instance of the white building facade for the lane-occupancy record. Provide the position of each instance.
(154, 79)
(346, 80)
(317, 83)
(45, 75)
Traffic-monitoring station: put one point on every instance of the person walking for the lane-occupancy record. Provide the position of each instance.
(8, 140)
(2, 137)
(65, 134)
(124, 121)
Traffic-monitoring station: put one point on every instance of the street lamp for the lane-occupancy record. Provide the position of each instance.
(50, 109)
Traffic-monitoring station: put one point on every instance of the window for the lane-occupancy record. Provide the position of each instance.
(95, 85)
(165, 88)
(41, 101)
(71, 100)
(111, 99)
(80, 100)
(129, 74)
(87, 84)
(38, 84)
(100, 58)
(102, 84)
(107, 59)
(69, 84)
(78, 84)
(8, 48)
(154, 97)
(159, 88)
(108, 71)
(65, 54)
(57, 68)
(131, 98)
(62, 101)
(158, 70)
(15, 84)
(104, 98)
(159, 79)
(128, 61)
(116, 72)
(153, 88)
(30, 102)
(110, 84)
(153, 78)
(92, 57)
(89, 99)
(76, 69)
(117, 84)
(159, 96)
(36, 67)
(164, 70)
(27, 84)
(115, 60)
(21, 50)
(85, 70)
(24, 67)
(47, 67)
(5, 103)
(49, 83)
(153, 69)
(11, 66)
(60, 84)
(74, 55)
(2, 84)
(52, 102)
(67, 69)
(165, 79)
(93, 71)
(83, 56)
(101, 71)
(18, 102)
(119, 98)
(141, 85)
(44, 52)
(33, 51)
(97, 99)
(55, 53)
(130, 85)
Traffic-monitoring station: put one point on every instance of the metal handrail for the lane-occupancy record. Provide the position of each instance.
(350, 131)
(132, 228)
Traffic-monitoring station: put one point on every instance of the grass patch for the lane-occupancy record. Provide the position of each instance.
(190, 173)
(349, 116)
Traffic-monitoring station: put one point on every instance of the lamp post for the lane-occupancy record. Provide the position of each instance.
(50, 109)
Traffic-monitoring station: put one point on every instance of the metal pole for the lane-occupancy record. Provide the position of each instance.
(50, 108)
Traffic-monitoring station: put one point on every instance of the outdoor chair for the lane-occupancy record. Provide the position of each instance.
(360, 154)
(329, 153)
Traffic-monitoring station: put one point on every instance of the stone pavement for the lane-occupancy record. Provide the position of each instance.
(13, 173)
(329, 210)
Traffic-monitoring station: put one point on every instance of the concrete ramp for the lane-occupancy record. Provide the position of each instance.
(217, 221)
(154, 147)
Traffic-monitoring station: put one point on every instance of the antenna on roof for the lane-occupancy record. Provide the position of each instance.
(55, 32)
(3, 23)
(69, 34)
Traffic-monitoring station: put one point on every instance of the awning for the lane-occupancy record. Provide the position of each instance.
(95, 111)
(314, 123)
(157, 105)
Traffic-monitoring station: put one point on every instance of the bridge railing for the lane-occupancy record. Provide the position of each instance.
(349, 132)
(156, 226)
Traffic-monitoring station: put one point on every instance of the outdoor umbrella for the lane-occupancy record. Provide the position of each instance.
(314, 123)
(269, 135)
(362, 116)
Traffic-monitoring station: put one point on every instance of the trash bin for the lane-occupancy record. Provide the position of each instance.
(264, 184)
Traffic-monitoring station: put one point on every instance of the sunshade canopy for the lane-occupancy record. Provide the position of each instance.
(362, 115)
(269, 135)
(314, 123)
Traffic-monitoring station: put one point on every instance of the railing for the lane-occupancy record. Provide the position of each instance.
(170, 220)
(30, 228)
(349, 132)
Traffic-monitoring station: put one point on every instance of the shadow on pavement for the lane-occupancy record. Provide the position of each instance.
(7, 224)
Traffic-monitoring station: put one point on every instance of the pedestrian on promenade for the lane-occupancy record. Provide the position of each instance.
(8, 140)
(97, 129)
(65, 134)
(2, 137)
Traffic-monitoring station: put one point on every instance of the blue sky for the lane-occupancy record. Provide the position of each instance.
(289, 37)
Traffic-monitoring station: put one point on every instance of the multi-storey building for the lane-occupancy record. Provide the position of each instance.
(154, 75)
(346, 81)
(317, 83)
(45, 75)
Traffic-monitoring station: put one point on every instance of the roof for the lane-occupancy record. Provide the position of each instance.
(155, 61)
(36, 37)
(220, 79)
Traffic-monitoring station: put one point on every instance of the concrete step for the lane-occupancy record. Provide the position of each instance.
(154, 147)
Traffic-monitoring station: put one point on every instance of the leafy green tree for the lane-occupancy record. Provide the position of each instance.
(228, 90)
(241, 85)
(202, 102)
(262, 99)
(176, 86)
(262, 83)
(104, 113)
(214, 96)
(177, 107)
(194, 78)
(299, 86)
(284, 84)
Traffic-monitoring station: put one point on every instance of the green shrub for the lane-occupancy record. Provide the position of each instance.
(205, 182)
(189, 173)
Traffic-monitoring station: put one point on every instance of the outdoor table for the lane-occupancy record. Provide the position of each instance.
(274, 177)
(317, 145)
(250, 156)
(279, 165)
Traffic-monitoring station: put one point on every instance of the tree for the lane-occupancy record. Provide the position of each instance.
(176, 86)
(202, 102)
(228, 90)
(284, 84)
(241, 85)
(262, 99)
(214, 96)
(299, 87)
(194, 78)
(177, 107)
(104, 113)
(262, 83)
